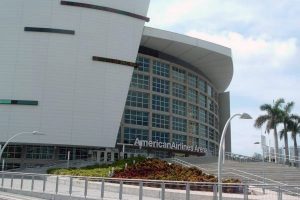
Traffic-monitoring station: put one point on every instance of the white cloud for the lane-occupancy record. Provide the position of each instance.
(259, 49)
(260, 65)
(265, 44)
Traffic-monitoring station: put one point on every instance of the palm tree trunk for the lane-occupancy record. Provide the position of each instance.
(296, 152)
(276, 144)
(286, 145)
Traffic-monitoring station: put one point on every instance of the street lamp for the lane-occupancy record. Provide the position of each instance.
(242, 116)
(10, 139)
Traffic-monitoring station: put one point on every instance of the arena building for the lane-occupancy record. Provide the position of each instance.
(100, 85)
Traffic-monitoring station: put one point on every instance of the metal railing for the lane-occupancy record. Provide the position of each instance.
(280, 158)
(244, 176)
(45, 185)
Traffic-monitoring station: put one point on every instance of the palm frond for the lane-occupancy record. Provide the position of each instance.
(278, 102)
(266, 107)
(261, 120)
(281, 134)
(289, 106)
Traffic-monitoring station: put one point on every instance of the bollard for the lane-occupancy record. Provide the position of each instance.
(187, 191)
(121, 190)
(245, 192)
(71, 186)
(279, 194)
(215, 190)
(22, 179)
(162, 191)
(2, 182)
(102, 189)
(44, 183)
(32, 183)
(141, 191)
(85, 186)
(56, 184)
(11, 181)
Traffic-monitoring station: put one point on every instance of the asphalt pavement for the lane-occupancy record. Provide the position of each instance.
(11, 196)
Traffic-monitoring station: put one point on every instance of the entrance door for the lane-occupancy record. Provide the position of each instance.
(102, 156)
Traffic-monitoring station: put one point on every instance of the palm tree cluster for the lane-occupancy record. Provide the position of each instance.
(280, 113)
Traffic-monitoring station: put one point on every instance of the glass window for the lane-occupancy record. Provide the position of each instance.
(143, 63)
(160, 68)
(12, 151)
(137, 99)
(160, 85)
(160, 136)
(203, 130)
(130, 135)
(212, 148)
(192, 95)
(210, 104)
(192, 80)
(179, 90)
(193, 111)
(136, 117)
(40, 152)
(216, 109)
(216, 123)
(203, 117)
(140, 81)
(211, 119)
(160, 103)
(202, 100)
(203, 143)
(178, 74)
(179, 139)
(63, 153)
(179, 124)
(209, 90)
(195, 141)
(193, 128)
(179, 107)
(211, 134)
(160, 121)
(202, 86)
(81, 153)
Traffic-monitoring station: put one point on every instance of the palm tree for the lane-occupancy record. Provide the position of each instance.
(285, 118)
(271, 119)
(293, 126)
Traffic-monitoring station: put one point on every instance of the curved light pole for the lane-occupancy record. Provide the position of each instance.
(220, 155)
(16, 135)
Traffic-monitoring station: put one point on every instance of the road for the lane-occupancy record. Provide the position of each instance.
(10, 196)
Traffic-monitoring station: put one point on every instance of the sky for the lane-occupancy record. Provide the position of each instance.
(264, 37)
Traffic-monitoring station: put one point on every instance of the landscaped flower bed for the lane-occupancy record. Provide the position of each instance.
(152, 169)
(155, 169)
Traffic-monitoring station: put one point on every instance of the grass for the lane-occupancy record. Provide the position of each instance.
(95, 170)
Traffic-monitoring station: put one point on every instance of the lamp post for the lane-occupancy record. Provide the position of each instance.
(16, 135)
(242, 116)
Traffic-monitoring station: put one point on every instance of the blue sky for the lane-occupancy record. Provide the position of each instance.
(264, 38)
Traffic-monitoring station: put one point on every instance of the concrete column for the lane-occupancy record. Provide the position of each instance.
(105, 156)
(224, 114)
(112, 155)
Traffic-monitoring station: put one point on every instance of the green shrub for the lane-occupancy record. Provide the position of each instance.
(96, 170)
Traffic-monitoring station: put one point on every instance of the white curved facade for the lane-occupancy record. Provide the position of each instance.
(80, 101)
(72, 62)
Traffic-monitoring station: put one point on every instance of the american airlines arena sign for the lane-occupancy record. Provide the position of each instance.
(169, 145)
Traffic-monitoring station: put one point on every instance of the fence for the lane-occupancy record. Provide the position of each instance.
(64, 187)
